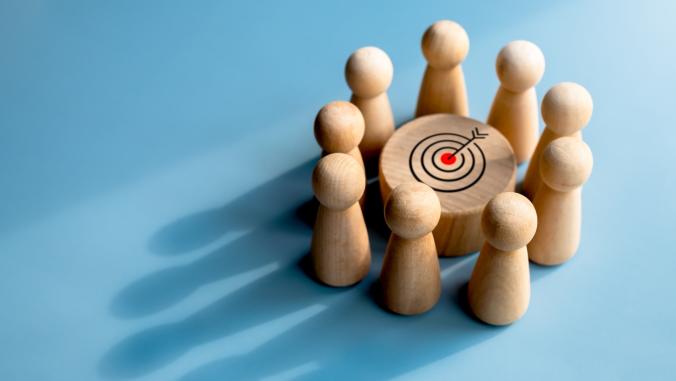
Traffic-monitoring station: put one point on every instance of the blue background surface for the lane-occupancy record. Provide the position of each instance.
(154, 168)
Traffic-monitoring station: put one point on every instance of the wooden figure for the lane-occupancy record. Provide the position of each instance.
(445, 45)
(499, 289)
(410, 276)
(520, 66)
(566, 109)
(369, 74)
(465, 161)
(565, 166)
(340, 251)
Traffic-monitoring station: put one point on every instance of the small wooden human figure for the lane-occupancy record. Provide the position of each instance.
(445, 45)
(369, 74)
(499, 289)
(410, 276)
(520, 66)
(566, 110)
(565, 166)
(340, 251)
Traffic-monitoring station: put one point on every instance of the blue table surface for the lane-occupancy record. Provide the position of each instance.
(155, 160)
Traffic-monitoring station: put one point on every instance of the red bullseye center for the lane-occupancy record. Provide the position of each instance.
(448, 158)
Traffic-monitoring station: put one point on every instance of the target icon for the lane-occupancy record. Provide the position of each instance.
(449, 162)
(464, 160)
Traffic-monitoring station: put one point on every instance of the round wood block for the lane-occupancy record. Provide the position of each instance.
(465, 161)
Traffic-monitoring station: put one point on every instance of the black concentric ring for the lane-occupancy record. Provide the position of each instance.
(470, 169)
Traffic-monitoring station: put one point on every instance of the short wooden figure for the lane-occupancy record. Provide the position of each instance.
(520, 66)
(445, 45)
(369, 74)
(566, 109)
(340, 250)
(565, 166)
(410, 276)
(499, 289)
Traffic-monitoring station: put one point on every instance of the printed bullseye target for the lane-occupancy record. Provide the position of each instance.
(465, 161)
(449, 162)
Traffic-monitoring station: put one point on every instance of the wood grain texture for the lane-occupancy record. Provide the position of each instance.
(379, 124)
(565, 166)
(368, 73)
(516, 116)
(566, 109)
(519, 66)
(445, 45)
(443, 91)
(340, 249)
(339, 128)
(410, 276)
(458, 231)
(499, 288)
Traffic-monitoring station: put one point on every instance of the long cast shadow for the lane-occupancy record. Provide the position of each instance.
(160, 290)
(281, 292)
(351, 331)
(245, 212)
(355, 336)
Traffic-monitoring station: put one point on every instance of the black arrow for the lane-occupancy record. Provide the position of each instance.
(475, 135)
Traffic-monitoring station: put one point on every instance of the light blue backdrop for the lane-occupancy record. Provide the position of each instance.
(154, 186)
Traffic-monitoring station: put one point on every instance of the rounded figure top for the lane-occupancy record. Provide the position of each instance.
(445, 44)
(369, 72)
(520, 65)
(339, 127)
(509, 221)
(338, 181)
(566, 164)
(567, 108)
(412, 210)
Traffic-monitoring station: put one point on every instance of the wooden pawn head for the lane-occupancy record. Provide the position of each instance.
(338, 181)
(339, 127)
(566, 164)
(412, 210)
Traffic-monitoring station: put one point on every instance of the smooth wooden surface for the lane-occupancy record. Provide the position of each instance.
(519, 66)
(445, 45)
(339, 128)
(458, 231)
(368, 73)
(499, 288)
(565, 166)
(566, 110)
(340, 250)
(410, 277)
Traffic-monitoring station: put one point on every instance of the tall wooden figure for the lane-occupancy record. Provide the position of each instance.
(520, 66)
(565, 166)
(566, 109)
(369, 74)
(499, 289)
(445, 45)
(340, 251)
(410, 276)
